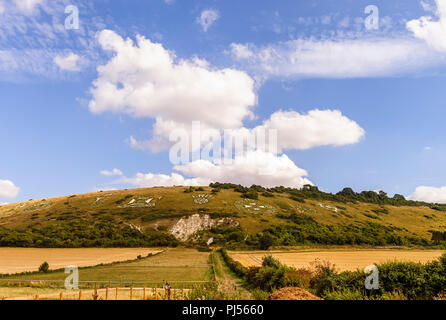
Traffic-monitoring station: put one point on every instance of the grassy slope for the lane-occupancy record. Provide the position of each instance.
(174, 203)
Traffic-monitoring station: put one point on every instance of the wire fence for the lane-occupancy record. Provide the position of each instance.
(96, 284)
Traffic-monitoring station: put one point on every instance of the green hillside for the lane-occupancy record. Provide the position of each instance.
(233, 216)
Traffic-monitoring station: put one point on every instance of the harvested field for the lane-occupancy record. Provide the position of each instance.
(344, 260)
(16, 260)
(181, 267)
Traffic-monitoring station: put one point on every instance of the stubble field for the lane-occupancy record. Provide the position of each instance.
(343, 260)
(16, 260)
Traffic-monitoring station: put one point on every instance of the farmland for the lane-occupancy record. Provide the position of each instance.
(182, 268)
(17, 260)
(171, 265)
(343, 260)
(184, 228)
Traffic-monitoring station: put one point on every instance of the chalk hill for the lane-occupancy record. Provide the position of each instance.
(220, 215)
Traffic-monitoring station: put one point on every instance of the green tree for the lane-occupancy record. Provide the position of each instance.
(44, 267)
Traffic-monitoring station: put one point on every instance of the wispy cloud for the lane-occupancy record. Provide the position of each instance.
(34, 41)
(349, 52)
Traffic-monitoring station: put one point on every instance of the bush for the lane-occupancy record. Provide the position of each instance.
(270, 261)
(44, 267)
(267, 194)
(345, 295)
(189, 190)
(251, 195)
(235, 266)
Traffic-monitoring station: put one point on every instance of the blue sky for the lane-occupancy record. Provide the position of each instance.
(92, 108)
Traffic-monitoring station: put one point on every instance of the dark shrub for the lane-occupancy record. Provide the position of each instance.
(44, 267)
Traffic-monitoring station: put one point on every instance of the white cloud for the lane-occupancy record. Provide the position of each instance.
(352, 54)
(30, 39)
(169, 1)
(147, 180)
(315, 129)
(431, 30)
(241, 51)
(326, 19)
(247, 170)
(146, 80)
(335, 58)
(208, 18)
(256, 167)
(3, 203)
(344, 23)
(427, 6)
(8, 189)
(2, 7)
(295, 131)
(114, 172)
(429, 194)
(68, 62)
(28, 6)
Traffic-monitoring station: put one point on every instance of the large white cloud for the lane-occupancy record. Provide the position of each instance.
(256, 167)
(314, 129)
(295, 131)
(429, 194)
(432, 30)
(144, 79)
(8, 189)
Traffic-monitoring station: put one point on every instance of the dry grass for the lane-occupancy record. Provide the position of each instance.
(344, 260)
(113, 294)
(16, 260)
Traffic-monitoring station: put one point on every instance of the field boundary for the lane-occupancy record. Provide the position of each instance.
(98, 283)
(148, 294)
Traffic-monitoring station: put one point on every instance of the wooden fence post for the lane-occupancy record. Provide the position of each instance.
(37, 297)
(80, 294)
(156, 293)
(182, 294)
(106, 294)
(61, 296)
(131, 293)
(144, 294)
(117, 289)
